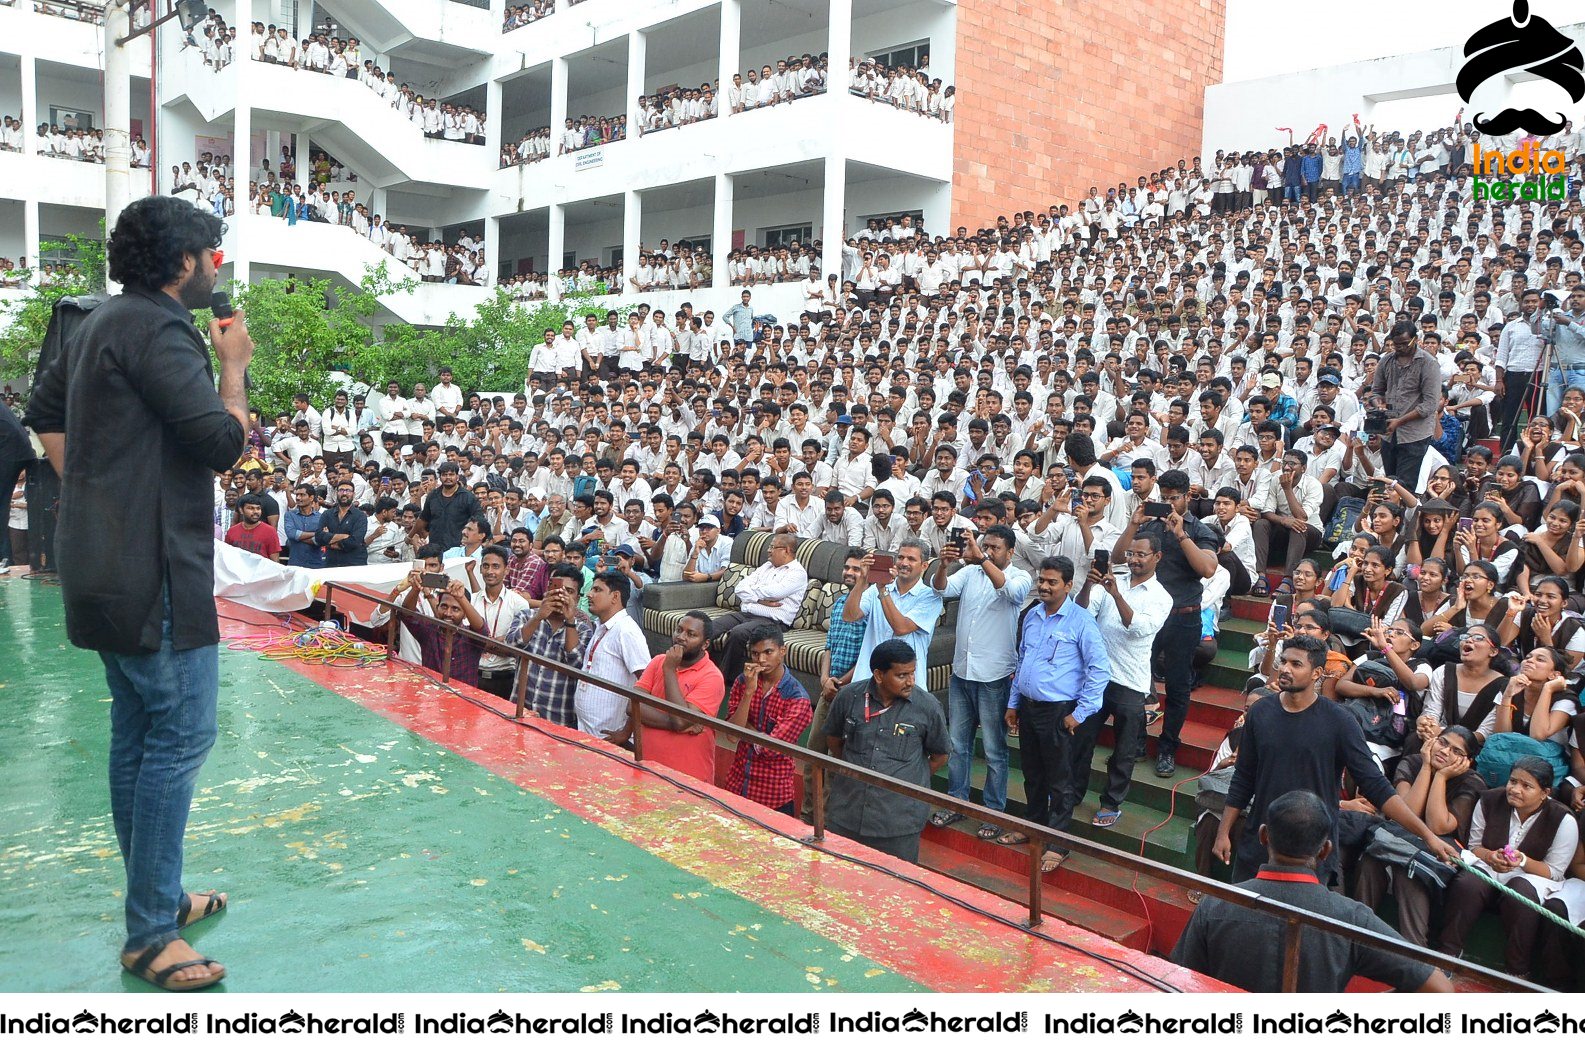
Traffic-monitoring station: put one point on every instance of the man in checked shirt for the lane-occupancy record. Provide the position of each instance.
(768, 699)
(841, 655)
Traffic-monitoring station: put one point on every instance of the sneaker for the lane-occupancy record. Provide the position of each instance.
(1166, 765)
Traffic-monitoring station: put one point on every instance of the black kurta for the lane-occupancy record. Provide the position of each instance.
(134, 394)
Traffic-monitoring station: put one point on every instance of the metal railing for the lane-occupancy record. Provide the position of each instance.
(1295, 921)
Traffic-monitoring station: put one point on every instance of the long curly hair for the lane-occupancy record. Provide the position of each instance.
(152, 235)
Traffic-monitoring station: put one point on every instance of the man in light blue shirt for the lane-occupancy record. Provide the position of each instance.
(905, 608)
(1568, 358)
(990, 592)
(1061, 676)
(741, 318)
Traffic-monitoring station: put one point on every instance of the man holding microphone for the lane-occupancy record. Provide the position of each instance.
(130, 418)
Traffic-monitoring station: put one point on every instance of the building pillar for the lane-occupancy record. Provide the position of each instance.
(241, 166)
(632, 227)
(558, 102)
(637, 52)
(30, 235)
(839, 44)
(555, 248)
(832, 218)
(492, 248)
(30, 106)
(493, 115)
(731, 46)
(721, 232)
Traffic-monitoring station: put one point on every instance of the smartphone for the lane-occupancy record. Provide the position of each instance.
(881, 569)
(1103, 561)
(1157, 510)
(1465, 524)
(956, 536)
(1279, 617)
(434, 581)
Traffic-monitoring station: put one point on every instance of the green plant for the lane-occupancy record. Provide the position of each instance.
(81, 271)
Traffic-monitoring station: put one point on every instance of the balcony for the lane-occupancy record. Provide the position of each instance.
(437, 31)
(831, 124)
(313, 247)
(361, 129)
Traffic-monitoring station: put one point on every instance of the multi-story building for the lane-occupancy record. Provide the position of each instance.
(1050, 98)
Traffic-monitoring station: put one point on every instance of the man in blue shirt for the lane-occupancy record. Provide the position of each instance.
(300, 525)
(990, 591)
(1568, 360)
(1310, 169)
(1353, 165)
(1061, 676)
(741, 318)
(905, 608)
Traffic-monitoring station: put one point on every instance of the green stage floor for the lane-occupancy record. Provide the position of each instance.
(359, 856)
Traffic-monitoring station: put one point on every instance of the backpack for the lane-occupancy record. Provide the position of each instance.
(1344, 517)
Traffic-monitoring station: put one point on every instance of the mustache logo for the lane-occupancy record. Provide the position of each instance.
(1527, 43)
(1508, 120)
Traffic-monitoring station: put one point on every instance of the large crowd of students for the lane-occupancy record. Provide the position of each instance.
(1326, 375)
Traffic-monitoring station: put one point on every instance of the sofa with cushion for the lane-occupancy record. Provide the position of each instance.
(665, 603)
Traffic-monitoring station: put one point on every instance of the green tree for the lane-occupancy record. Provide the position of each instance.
(81, 271)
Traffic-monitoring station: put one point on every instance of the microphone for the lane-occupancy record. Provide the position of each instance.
(220, 306)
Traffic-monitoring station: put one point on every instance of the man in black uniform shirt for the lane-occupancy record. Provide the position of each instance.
(129, 417)
(1188, 559)
(1244, 948)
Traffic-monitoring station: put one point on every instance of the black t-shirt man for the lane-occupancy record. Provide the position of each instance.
(445, 515)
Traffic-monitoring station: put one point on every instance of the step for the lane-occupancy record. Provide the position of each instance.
(1167, 906)
(1202, 735)
(1249, 608)
(1128, 928)
(1167, 843)
(1145, 788)
(1227, 670)
(1236, 634)
(1197, 746)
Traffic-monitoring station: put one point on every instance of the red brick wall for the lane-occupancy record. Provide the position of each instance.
(1056, 96)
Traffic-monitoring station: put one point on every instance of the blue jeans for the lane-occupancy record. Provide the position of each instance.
(1292, 193)
(162, 725)
(971, 705)
(1350, 182)
(1560, 380)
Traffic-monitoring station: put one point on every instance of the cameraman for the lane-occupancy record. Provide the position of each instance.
(1408, 385)
(130, 419)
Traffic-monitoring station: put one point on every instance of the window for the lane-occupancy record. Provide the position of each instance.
(784, 236)
(698, 244)
(885, 217)
(65, 253)
(906, 55)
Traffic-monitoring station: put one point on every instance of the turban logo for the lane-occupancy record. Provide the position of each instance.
(1521, 42)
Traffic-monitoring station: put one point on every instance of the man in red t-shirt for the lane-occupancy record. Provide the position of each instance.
(253, 533)
(683, 674)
